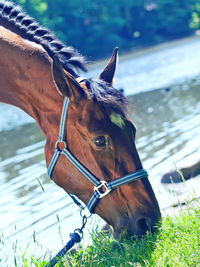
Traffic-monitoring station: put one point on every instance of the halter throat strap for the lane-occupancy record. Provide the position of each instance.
(101, 188)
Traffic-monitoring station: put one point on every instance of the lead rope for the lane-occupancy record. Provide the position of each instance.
(75, 237)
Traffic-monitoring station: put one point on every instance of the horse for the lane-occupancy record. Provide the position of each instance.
(95, 157)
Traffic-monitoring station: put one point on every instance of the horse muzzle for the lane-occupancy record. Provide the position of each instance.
(138, 224)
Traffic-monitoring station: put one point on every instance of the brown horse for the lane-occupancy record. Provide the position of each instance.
(36, 73)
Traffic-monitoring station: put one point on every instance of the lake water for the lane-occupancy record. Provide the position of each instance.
(168, 129)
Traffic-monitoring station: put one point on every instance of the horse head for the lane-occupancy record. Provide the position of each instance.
(102, 138)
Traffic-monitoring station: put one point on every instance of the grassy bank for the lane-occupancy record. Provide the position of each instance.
(176, 243)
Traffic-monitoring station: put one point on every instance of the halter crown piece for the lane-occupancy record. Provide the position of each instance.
(101, 188)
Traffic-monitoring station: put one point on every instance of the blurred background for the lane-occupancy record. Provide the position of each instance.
(159, 71)
(95, 27)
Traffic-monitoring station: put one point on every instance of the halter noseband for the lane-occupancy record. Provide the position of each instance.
(101, 188)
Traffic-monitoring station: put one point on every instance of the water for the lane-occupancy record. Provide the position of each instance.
(157, 67)
(168, 129)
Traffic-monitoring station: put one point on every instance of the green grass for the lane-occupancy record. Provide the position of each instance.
(176, 243)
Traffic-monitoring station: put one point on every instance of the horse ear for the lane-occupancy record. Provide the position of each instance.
(109, 71)
(65, 82)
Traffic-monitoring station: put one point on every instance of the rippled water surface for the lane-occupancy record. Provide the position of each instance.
(168, 129)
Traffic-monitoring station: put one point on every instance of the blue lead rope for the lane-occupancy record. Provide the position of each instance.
(75, 238)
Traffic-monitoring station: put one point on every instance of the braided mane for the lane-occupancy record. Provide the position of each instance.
(32, 31)
(70, 59)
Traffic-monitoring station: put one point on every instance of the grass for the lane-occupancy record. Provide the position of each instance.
(176, 243)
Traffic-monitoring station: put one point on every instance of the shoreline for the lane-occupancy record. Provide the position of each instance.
(155, 67)
(134, 53)
(175, 210)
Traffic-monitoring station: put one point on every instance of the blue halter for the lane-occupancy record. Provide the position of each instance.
(101, 188)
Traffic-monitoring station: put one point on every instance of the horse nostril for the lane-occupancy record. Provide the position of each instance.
(138, 225)
(142, 225)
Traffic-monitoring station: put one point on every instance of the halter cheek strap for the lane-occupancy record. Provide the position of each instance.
(101, 188)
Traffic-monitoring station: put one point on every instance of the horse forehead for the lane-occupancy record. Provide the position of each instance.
(117, 119)
(95, 116)
(92, 111)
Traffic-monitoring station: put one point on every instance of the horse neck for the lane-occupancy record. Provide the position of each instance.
(26, 80)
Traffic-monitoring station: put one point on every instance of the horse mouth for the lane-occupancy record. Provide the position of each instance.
(137, 227)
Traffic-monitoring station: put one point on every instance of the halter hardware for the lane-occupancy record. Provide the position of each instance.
(101, 188)
(60, 145)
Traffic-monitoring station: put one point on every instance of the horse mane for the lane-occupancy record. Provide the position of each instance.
(31, 30)
(69, 57)
(111, 98)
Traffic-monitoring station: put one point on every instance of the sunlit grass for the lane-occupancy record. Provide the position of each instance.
(176, 243)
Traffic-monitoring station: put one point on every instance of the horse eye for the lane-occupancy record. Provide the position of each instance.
(100, 141)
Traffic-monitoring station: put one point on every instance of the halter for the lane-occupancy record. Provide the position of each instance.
(101, 188)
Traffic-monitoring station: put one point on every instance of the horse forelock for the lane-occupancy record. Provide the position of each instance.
(107, 96)
(30, 29)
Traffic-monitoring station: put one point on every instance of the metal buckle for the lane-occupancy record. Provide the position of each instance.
(60, 145)
(103, 193)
